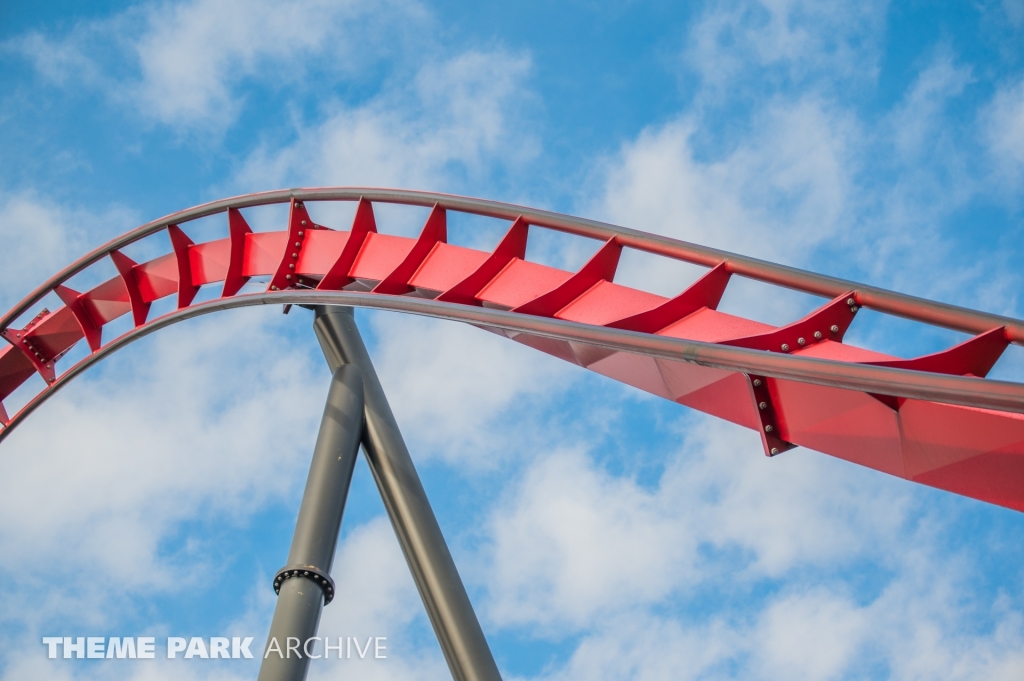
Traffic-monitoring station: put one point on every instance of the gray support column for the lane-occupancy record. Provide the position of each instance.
(304, 582)
(451, 614)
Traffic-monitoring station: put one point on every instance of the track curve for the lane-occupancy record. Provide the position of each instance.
(932, 419)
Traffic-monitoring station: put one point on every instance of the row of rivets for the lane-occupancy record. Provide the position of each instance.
(298, 245)
(767, 417)
(322, 580)
(818, 335)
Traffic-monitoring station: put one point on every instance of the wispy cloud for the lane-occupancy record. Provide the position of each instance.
(1003, 130)
(181, 63)
(455, 119)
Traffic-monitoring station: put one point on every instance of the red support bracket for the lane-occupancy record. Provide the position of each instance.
(761, 393)
(435, 231)
(362, 224)
(512, 246)
(4, 418)
(35, 353)
(238, 228)
(600, 267)
(974, 357)
(705, 292)
(73, 299)
(299, 223)
(126, 268)
(181, 243)
(829, 322)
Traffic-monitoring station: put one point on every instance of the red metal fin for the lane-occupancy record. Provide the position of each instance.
(705, 292)
(237, 229)
(600, 267)
(829, 322)
(974, 357)
(126, 268)
(181, 243)
(93, 333)
(298, 223)
(435, 230)
(771, 439)
(4, 419)
(362, 224)
(32, 351)
(15, 369)
(512, 246)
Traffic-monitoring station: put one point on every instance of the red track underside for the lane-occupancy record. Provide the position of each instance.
(974, 452)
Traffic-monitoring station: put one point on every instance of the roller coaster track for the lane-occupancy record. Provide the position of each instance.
(933, 419)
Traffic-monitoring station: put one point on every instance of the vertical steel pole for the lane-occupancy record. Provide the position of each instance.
(448, 606)
(304, 583)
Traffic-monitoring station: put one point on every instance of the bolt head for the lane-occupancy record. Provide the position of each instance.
(291, 266)
(301, 233)
(288, 276)
(851, 301)
(801, 341)
(834, 329)
(762, 405)
(817, 335)
(295, 255)
(297, 244)
(853, 308)
(304, 222)
(768, 429)
(785, 347)
(757, 382)
(775, 450)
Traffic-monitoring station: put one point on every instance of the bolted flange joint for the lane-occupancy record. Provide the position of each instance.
(322, 579)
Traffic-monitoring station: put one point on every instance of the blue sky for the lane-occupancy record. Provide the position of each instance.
(603, 534)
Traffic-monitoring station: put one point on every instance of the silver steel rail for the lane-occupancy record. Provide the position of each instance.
(882, 300)
(961, 390)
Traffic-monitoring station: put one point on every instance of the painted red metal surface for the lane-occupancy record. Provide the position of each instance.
(913, 422)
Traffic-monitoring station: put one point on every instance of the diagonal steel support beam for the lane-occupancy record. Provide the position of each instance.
(447, 604)
(304, 585)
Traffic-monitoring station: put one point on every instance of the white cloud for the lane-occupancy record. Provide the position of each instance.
(182, 63)
(917, 122)
(41, 236)
(1014, 12)
(644, 647)
(60, 61)
(576, 541)
(793, 40)
(191, 55)
(377, 597)
(455, 118)
(461, 394)
(209, 417)
(573, 544)
(777, 195)
(734, 566)
(806, 181)
(1003, 129)
(811, 636)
